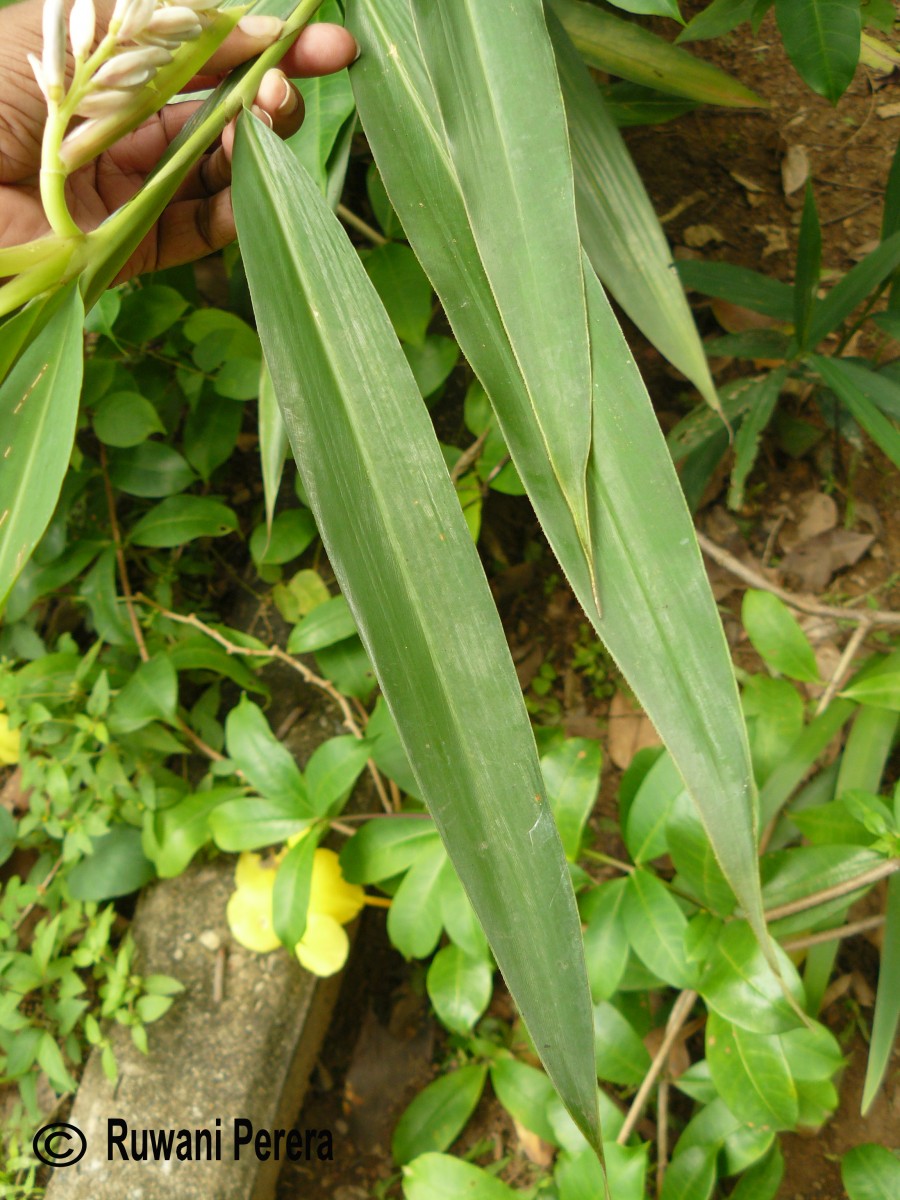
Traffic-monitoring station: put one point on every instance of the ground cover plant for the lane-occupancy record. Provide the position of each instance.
(557, 410)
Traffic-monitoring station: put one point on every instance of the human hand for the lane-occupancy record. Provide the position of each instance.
(199, 218)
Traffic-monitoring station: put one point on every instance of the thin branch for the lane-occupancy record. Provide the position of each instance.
(832, 935)
(857, 638)
(679, 1014)
(833, 893)
(361, 226)
(662, 1134)
(275, 651)
(468, 456)
(120, 559)
(756, 580)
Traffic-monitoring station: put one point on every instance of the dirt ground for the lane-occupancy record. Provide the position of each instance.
(717, 177)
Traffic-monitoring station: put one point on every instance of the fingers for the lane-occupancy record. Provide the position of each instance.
(320, 49)
(187, 230)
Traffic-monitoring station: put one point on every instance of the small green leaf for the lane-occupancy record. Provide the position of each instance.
(327, 623)
(740, 985)
(605, 938)
(290, 898)
(251, 822)
(432, 362)
(871, 1172)
(777, 637)
(147, 312)
(438, 1114)
(644, 826)
(117, 867)
(459, 988)
(180, 519)
(441, 1177)
(268, 766)
(691, 1175)
(332, 771)
(180, 831)
(741, 286)
(125, 419)
(150, 694)
(291, 533)
(150, 469)
(752, 1075)
(384, 847)
(403, 288)
(656, 927)
(572, 775)
(525, 1093)
(462, 925)
(721, 16)
(620, 1054)
(763, 1179)
(414, 919)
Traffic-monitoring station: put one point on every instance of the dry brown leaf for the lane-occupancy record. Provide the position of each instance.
(698, 236)
(749, 184)
(794, 169)
(534, 1148)
(819, 514)
(630, 730)
(735, 319)
(886, 111)
(816, 560)
(776, 239)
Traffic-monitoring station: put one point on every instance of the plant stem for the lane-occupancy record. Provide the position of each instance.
(679, 1014)
(833, 893)
(54, 175)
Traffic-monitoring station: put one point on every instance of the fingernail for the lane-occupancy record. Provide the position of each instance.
(262, 114)
(357, 54)
(289, 100)
(261, 29)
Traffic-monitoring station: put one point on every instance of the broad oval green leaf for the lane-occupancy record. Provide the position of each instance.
(656, 928)
(333, 769)
(384, 847)
(38, 410)
(871, 1172)
(740, 986)
(572, 775)
(438, 1114)
(150, 469)
(398, 543)
(252, 822)
(822, 38)
(442, 1177)
(125, 419)
(180, 519)
(327, 623)
(752, 1075)
(415, 919)
(266, 764)
(459, 988)
(691, 1175)
(776, 636)
(621, 1056)
(150, 694)
(526, 1093)
(605, 937)
(117, 867)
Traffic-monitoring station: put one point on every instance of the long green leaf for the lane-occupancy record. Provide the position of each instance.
(822, 38)
(622, 48)
(619, 228)
(882, 431)
(887, 1002)
(659, 619)
(859, 282)
(399, 545)
(491, 66)
(38, 409)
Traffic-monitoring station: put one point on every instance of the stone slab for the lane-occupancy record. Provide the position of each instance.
(240, 1043)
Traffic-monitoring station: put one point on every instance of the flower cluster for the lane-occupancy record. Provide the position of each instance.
(333, 903)
(143, 37)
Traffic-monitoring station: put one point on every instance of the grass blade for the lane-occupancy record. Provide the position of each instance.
(887, 1001)
(619, 228)
(882, 431)
(399, 545)
(659, 619)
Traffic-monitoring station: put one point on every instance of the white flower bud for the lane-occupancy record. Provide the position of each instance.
(143, 58)
(35, 63)
(175, 21)
(132, 17)
(53, 58)
(83, 136)
(82, 26)
(105, 102)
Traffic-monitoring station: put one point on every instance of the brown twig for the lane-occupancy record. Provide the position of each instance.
(42, 887)
(350, 218)
(275, 651)
(679, 1014)
(120, 558)
(857, 638)
(727, 560)
(832, 935)
(662, 1134)
(468, 456)
(836, 891)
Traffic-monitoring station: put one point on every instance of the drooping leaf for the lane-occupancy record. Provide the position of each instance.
(751, 1073)
(882, 431)
(526, 1093)
(870, 1172)
(179, 519)
(777, 637)
(267, 765)
(38, 410)
(887, 1001)
(622, 48)
(619, 227)
(398, 543)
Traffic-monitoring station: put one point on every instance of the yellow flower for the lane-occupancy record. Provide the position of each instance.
(9, 742)
(333, 903)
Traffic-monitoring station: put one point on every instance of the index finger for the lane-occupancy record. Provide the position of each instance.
(320, 49)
